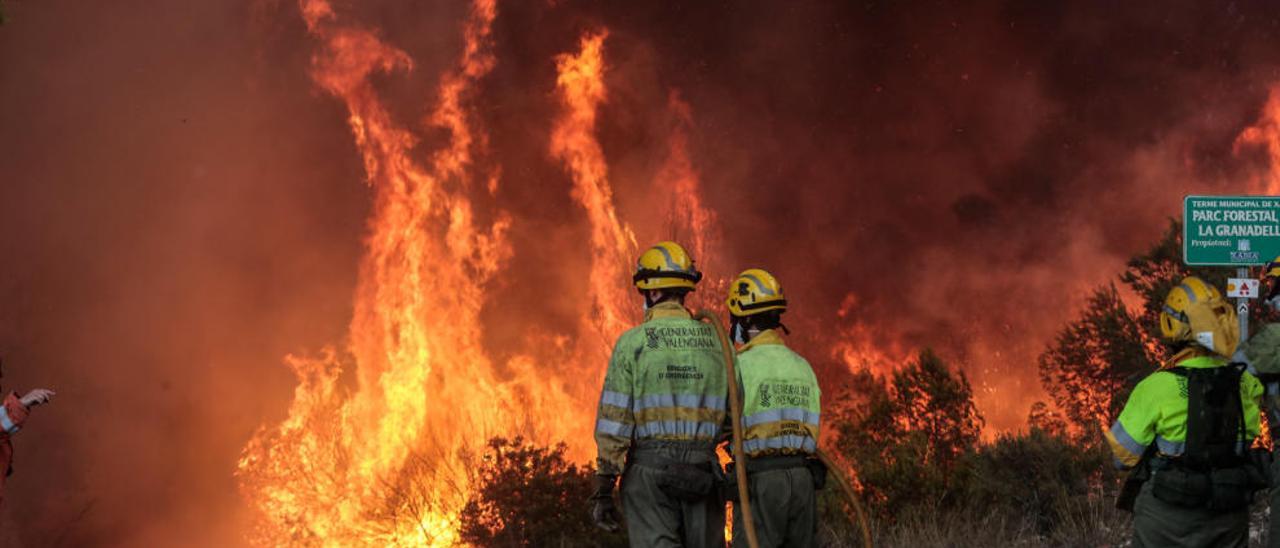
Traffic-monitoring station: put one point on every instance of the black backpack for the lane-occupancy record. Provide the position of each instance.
(1215, 417)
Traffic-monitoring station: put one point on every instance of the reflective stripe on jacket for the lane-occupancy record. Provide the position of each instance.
(1157, 413)
(666, 381)
(781, 399)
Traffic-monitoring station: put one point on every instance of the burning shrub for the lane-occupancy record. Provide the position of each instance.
(529, 496)
(1047, 419)
(907, 433)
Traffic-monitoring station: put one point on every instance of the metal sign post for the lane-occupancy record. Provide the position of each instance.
(1242, 307)
(1243, 288)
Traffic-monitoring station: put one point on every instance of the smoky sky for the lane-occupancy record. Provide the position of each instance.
(180, 207)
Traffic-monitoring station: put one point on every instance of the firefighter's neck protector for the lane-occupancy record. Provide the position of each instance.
(738, 330)
(655, 297)
(1195, 312)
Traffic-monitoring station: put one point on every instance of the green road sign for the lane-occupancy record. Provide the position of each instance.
(1230, 230)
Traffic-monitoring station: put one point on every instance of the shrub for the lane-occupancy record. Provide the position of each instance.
(529, 496)
(1034, 475)
(905, 433)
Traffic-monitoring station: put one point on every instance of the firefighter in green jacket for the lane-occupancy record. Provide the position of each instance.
(661, 413)
(780, 418)
(1262, 354)
(1189, 425)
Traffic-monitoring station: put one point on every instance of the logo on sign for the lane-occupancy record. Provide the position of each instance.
(1242, 254)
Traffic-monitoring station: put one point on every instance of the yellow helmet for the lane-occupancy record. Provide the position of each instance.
(665, 265)
(755, 291)
(1273, 269)
(1195, 311)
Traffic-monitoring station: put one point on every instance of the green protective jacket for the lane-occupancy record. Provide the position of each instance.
(1157, 413)
(1262, 353)
(781, 399)
(666, 381)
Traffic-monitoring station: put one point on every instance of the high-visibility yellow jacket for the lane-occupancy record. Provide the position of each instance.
(1157, 413)
(781, 398)
(666, 381)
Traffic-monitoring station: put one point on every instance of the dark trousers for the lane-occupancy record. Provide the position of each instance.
(784, 507)
(1159, 524)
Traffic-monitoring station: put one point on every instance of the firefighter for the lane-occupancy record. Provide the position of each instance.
(780, 418)
(13, 414)
(1262, 355)
(661, 412)
(1189, 425)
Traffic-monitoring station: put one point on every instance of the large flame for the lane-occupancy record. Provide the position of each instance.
(581, 89)
(1266, 133)
(386, 463)
(383, 464)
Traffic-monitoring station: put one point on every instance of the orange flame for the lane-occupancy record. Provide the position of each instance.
(689, 220)
(862, 346)
(1266, 133)
(385, 464)
(580, 87)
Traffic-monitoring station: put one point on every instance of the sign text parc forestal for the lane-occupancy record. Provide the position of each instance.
(1230, 230)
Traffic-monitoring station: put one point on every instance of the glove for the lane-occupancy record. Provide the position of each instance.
(36, 397)
(603, 512)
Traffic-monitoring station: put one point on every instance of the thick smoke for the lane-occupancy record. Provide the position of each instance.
(180, 208)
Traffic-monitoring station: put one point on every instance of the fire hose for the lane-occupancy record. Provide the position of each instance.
(740, 456)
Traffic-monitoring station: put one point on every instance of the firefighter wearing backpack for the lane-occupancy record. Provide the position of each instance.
(1190, 426)
(660, 415)
(780, 415)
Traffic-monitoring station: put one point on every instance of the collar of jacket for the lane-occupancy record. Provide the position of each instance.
(1203, 362)
(666, 309)
(768, 336)
(1195, 357)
